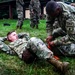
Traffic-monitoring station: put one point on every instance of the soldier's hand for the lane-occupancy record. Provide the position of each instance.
(49, 39)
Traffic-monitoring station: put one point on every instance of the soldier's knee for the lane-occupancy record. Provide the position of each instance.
(33, 39)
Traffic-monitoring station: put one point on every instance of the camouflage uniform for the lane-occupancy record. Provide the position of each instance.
(19, 8)
(35, 45)
(35, 12)
(63, 42)
(58, 21)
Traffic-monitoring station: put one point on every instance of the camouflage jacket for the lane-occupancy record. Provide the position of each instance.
(66, 16)
(65, 45)
(69, 13)
(36, 46)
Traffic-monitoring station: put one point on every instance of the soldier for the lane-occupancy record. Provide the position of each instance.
(35, 13)
(19, 8)
(52, 13)
(65, 45)
(30, 48)
(57, 15)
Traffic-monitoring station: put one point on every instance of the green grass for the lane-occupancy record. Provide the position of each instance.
(12, 65)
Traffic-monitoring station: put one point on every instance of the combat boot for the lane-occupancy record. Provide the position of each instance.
(36, 26)
(17, 27)
(20, 27)
(32, 25)
(61, 66)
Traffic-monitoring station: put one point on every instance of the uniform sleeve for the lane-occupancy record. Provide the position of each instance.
(24, 35)
(3, 39)
(58, 32)
(5, 48)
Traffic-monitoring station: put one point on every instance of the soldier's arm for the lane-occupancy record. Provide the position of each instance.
(5, 48)
(61, 41)
(24, 35)
(30, 8)
(58, 32)
(3, 39)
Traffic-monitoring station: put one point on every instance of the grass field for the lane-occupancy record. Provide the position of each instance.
(12, 65)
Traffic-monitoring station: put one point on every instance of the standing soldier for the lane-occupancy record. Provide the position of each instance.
(35, 12)
(19, 8)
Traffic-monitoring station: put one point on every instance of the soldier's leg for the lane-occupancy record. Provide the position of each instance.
(19, 8)
(67, 50)
(37, 20)
(37, 23)
(36, 26)
(32, 18)
(40, 49)
(32, 24)
(17, 26)
(20, 19)
(19, 23)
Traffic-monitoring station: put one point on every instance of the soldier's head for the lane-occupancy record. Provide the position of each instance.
(12, 36)
(53, 8)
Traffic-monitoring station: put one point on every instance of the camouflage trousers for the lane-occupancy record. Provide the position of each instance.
(34, 20)
(35, 45)
(20, 22)
(65, 50)
(38, 47)
(20, 18)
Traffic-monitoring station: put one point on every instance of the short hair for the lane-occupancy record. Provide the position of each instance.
(51, 7)
(9, 34)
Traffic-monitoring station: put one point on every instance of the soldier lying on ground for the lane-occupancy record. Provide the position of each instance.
(29, 49)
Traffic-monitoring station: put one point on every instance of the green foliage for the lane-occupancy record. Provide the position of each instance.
(12, 65)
